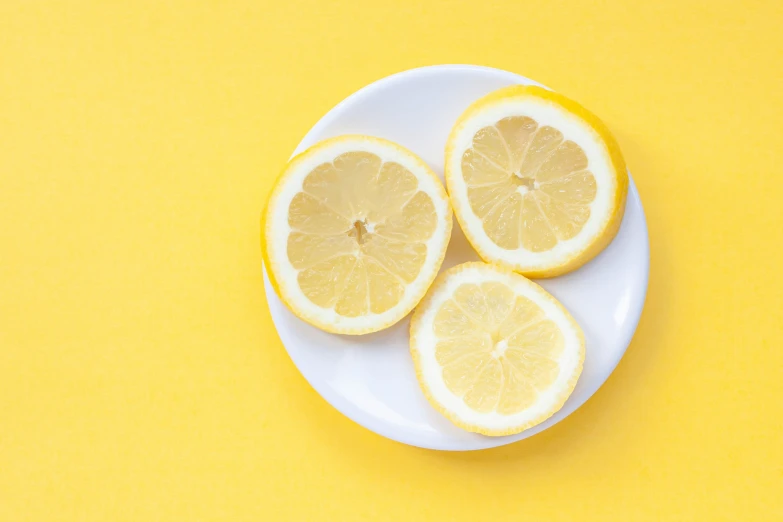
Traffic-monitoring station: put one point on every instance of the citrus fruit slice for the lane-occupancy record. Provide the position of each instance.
(355, 231)
(537, 182)
(493, 351)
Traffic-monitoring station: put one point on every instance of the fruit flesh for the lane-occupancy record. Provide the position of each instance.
(359, 233)
(530, 187)
(497, 350)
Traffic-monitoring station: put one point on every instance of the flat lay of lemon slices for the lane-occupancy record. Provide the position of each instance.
(356, 228)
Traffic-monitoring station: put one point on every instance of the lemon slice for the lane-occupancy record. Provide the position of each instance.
(356, 230)
(537, 182)
(494, 352)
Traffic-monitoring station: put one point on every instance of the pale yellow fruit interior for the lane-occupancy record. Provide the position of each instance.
(498, 350)
(529, 186)
(359, 232)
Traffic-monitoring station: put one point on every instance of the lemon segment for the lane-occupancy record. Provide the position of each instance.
(354, 232)
(493, 351)
(537, 183)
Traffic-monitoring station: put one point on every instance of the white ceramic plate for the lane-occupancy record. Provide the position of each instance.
(370, 378)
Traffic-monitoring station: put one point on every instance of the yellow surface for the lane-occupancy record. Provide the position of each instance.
(140, 375)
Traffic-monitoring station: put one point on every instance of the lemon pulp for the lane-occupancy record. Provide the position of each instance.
(530, 187)
(497, 350)
(359, 232)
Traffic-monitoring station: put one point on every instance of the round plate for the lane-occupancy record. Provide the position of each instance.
(370, 378)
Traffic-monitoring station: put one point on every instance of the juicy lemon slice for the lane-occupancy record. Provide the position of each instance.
(537, 182)
(356, 230)
(494, 352)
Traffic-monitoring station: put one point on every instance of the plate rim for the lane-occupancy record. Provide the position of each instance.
(634, 312)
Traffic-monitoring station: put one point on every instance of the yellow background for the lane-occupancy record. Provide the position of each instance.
(140, 374)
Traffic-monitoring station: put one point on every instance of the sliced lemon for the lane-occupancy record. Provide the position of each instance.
(537, 182)
(356, 230)
(494, 352)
